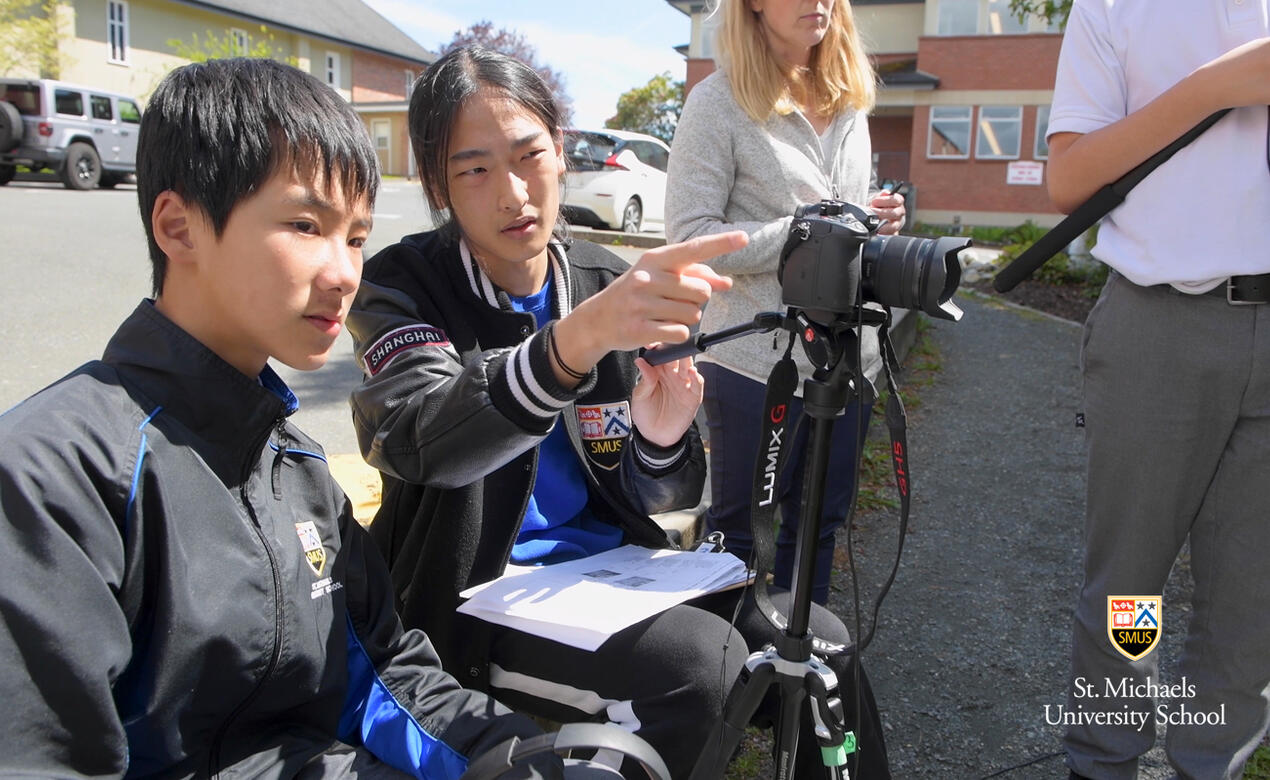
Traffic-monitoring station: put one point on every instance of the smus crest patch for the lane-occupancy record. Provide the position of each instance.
(311, 541)
(605, 430)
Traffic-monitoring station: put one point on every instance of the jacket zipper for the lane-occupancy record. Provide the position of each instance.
(276, 475)
(213, 761)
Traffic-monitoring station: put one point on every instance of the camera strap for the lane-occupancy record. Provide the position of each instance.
(775, 438)
(897, 425)
(774, 444)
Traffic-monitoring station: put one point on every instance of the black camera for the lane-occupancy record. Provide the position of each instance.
(834, 260)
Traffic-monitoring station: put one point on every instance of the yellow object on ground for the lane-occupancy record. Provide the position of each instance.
(360, 482)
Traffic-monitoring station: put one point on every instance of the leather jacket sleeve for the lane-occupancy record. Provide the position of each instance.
(664, 479)
(425, 417)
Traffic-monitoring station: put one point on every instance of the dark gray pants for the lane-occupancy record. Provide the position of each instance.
(1177, 408)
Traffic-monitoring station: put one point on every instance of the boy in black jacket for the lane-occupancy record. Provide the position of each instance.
(186, 592)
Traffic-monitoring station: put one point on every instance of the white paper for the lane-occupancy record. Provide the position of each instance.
(583, 602)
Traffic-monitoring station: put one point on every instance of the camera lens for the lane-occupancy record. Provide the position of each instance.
(913, 273)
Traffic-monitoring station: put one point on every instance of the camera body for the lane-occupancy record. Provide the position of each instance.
(834, 260)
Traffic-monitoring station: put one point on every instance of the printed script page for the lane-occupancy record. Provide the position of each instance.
(584, 602)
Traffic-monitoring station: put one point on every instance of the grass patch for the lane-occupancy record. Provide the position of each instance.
(753, 757)
(1258, 767)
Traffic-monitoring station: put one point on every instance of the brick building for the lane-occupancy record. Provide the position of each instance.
(963, 106)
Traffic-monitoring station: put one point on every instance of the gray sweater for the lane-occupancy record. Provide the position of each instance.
(728, 172)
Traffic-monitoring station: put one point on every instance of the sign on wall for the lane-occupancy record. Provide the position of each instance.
(1025, 172)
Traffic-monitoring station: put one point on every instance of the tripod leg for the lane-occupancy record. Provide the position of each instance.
(743, 701)
(793, 694)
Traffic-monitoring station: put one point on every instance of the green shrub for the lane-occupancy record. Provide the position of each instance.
(1028, 233)
(927, 229)
(986, 235)
(1061, 269)
(992, 236)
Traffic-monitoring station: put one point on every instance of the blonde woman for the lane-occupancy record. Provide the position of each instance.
(782, 123)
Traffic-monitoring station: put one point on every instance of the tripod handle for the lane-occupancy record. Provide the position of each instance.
(700, 342)
(668, 352)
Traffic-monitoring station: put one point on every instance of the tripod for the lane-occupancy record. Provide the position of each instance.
(789, 664)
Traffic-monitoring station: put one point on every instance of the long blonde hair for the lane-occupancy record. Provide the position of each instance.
(838, 76)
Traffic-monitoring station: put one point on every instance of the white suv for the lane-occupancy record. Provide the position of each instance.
(615, 178)
(88, 136)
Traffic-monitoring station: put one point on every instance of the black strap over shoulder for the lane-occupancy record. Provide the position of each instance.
(1098, 206)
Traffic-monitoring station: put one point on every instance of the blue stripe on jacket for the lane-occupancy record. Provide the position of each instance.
(374, 718)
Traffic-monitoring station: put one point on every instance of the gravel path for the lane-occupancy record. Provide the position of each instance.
(973, 639)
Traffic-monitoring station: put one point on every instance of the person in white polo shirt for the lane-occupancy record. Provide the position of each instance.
(1176, 363)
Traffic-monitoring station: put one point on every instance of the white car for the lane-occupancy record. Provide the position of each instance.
(615, 179)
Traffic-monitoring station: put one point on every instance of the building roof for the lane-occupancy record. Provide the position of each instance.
(904, 74)
(687, 6)
(346, 21)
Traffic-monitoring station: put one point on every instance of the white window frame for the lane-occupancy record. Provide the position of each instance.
(986, 126)
(1042, 130)
(333, 69)
(117, 31)
(410, 82)
(239, 43)
(940, 18)
(984, 22)
(930, 134)
(1012, 19)
(375, 126)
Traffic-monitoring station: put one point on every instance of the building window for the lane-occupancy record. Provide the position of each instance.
(958, 17)
(237, 42)
(410, 82)
(1000, 128)
(949, 132)
(710, 34)
(117, 30)
(1003, 21)
(381, 131)
(333, 69)
(979, 17)
(1042, 149)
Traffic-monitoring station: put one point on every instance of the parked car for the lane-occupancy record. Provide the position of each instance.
(88, 136)
(615, 179)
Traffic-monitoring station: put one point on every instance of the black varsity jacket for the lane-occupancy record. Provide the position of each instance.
(458, 392)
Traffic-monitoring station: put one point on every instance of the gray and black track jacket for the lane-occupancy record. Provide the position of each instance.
(457, 394)
(185, 590)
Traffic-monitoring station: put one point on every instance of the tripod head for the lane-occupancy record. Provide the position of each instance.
(824, 344)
